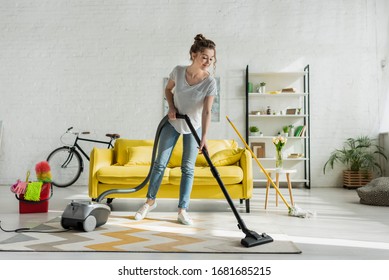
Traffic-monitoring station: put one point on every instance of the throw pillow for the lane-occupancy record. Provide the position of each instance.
(375, 193)
(139, 155)
(227, 157)
(215, 146)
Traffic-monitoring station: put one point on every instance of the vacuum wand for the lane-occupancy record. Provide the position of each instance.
(252, 238)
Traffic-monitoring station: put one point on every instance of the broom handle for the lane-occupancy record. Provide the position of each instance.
(259, 164)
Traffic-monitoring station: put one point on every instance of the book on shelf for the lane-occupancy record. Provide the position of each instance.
(300, 131)
(303, 131)
(288, 90)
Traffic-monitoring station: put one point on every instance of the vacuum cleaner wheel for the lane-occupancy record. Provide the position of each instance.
(90, 223)
(64, 224)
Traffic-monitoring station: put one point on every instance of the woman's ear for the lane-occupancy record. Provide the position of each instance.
(193, 56)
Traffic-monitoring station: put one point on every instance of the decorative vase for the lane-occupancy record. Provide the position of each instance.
(291, 132)
(279, 160)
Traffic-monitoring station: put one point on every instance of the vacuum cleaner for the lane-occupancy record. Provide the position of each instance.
(85, 215)
(251, 239)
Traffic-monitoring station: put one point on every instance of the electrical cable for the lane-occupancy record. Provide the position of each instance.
(20, 230)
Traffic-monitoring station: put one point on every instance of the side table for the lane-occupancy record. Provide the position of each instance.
(278, 171)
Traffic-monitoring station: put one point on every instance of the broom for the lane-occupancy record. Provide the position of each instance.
(293, 210)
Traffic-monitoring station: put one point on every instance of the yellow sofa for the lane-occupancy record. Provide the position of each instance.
(127, 165)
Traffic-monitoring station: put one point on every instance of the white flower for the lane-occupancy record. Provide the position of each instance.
(279, 142)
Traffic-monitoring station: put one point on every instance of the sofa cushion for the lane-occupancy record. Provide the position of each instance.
(203, 176)
(139, 155)
(122, 145)
(133, 175)
(227, 157)
(214, 146)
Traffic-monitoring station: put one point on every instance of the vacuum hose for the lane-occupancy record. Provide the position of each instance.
(146, 180)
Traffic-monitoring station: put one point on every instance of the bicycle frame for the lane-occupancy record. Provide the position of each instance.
(109, 143)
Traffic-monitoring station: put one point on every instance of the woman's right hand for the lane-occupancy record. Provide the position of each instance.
(172, 113)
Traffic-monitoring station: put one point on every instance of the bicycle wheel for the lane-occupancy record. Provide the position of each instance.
(66, 166)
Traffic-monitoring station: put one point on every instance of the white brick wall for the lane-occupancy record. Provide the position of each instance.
(99, 65)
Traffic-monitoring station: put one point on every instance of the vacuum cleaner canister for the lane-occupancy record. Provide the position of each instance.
(85, 215)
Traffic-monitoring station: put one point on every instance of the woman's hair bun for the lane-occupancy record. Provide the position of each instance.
(199, 37)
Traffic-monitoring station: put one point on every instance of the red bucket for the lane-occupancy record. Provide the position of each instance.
(41, 206)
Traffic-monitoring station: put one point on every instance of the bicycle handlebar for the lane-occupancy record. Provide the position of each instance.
(76, 133)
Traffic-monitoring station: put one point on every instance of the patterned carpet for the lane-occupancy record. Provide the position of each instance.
(160, 232)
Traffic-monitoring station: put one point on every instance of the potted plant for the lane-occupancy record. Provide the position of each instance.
(262, 88)
(254, 130)
(285, 129)
(361, 156)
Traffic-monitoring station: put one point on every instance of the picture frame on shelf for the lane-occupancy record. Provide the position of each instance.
(291, 111)
(258, 149)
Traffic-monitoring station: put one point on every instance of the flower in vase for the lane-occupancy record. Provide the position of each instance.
(279, 142)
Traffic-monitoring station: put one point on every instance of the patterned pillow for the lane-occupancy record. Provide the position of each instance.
(375, 193)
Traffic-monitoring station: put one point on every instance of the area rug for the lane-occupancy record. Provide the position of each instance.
(159, 233)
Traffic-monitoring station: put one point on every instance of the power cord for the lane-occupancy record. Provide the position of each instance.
(19, 230)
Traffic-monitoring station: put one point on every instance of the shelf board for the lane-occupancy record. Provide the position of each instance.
(298, 73)
(277, 116)
(271, 137)
(256, 94)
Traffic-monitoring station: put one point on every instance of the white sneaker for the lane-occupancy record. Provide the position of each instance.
(144, 210)
(184, 218)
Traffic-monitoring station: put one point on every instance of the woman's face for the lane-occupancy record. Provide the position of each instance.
(204, 59)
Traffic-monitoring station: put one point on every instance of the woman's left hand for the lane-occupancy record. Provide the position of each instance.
(203, 145)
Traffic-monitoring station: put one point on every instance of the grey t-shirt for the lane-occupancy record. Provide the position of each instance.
(189, 99)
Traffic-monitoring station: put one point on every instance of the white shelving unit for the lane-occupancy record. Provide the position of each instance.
(286, 109)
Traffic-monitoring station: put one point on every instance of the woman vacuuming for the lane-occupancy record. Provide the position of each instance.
(190, 91)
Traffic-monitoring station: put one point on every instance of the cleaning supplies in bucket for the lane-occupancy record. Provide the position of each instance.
(34, 196)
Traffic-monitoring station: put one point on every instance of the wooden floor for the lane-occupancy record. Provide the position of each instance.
(343, 229)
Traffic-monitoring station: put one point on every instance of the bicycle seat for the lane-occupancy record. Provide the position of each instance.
(113, 135)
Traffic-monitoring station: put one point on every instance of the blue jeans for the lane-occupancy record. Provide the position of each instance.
(167, 141)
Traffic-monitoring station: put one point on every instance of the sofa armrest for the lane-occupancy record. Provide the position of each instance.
(98, 158)
(247, 166)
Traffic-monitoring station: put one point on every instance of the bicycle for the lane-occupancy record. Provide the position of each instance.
(66, 163)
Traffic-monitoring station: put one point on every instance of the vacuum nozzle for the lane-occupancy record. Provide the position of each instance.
(254, 239)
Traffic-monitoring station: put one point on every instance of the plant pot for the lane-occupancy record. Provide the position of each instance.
(356, 179)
